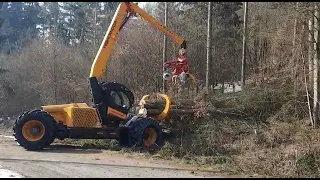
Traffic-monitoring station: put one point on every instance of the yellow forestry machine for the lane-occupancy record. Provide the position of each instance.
(109, 117)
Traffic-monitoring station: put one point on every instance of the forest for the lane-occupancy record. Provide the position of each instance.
(47, 50)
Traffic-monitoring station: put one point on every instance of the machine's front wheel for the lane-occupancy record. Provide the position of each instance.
(145, 132)
(35, 130)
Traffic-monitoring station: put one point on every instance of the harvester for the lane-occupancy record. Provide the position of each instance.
(108, 117)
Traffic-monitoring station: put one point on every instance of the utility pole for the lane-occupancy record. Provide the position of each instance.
(164, 52)
(316, 68)
(244, 46)
(209, 44)
(95, 24)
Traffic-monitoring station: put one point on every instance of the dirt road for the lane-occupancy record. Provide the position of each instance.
(69, 161)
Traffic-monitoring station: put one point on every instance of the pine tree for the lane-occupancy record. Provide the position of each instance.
(19, 21)
(227, 41)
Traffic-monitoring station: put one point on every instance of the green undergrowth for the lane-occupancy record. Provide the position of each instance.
(272, 139)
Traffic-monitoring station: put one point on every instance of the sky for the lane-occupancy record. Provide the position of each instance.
(142, 4)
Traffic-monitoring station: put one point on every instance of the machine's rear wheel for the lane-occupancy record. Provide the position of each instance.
(145, 132)
(35, 130)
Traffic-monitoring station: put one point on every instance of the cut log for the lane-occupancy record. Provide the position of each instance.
(180, 107)
(174, 102)
(162, 106)
(226, 111)
(172, 111)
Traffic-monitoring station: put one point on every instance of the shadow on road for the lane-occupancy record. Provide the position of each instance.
(57, 148)
(101, 164)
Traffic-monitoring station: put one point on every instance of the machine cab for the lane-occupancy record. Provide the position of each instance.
(117, 101)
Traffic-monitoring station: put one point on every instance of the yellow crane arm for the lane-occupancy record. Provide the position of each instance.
(175, 37)
(124, 10)
(108, 43)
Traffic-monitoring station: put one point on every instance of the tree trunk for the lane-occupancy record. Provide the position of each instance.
(209, 44)
(310, 49)
(316, 67)
(164, 52)
(1, 18)
(50, 27)
(293, 59)
(244, 45)
(55, 79)
(307, 76)
(9, 46)
(56, 22)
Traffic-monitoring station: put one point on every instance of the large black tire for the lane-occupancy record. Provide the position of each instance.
(137, 131)
(41, 117)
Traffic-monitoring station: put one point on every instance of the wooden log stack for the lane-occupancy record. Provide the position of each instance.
(182, 106)
(186, 106)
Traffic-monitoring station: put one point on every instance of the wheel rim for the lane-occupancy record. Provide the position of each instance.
(149, 136)
(33, 130)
